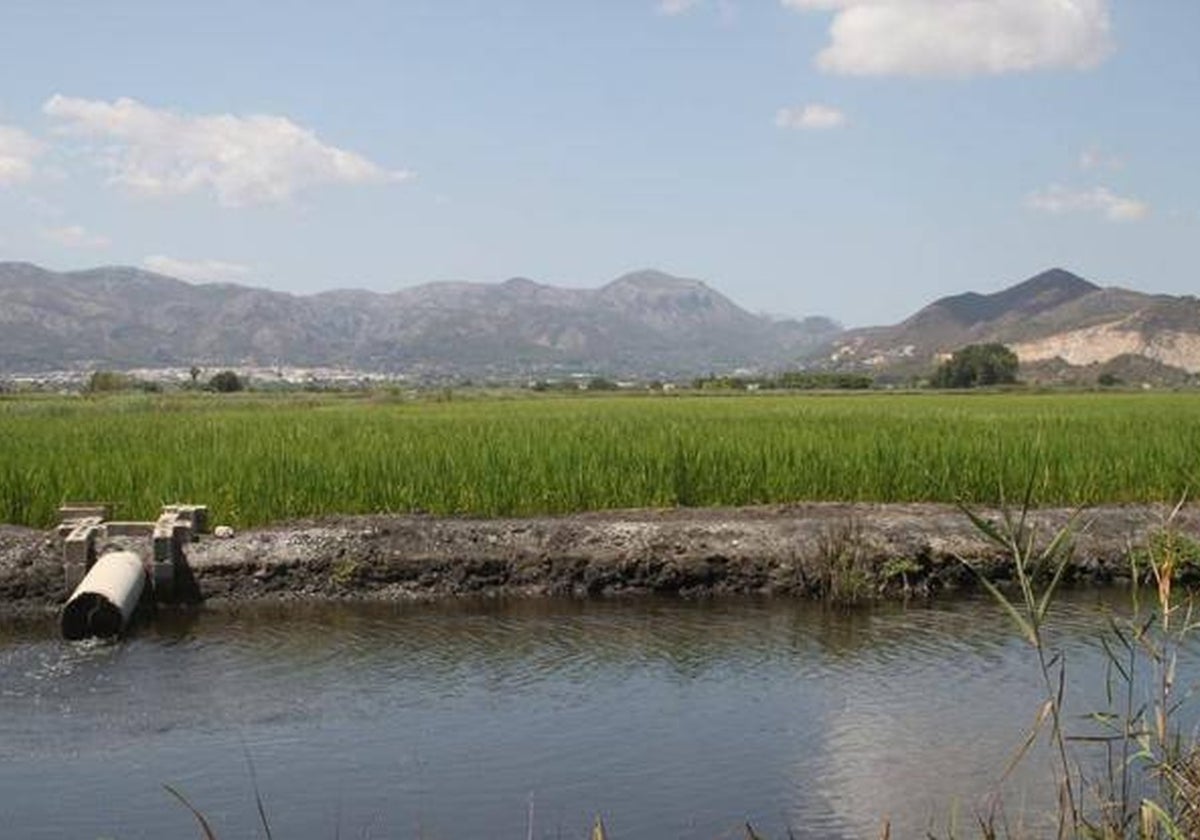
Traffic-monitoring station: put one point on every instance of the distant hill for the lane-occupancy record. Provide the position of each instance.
(651, 324)
(647, 323)
(1055, 318)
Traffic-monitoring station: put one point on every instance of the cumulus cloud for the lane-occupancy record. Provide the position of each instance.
(727, 11)
(961, 38)
(242, 160)
(197, 271)
(17, 153)
(1059, 200)
(813, 117)
(75, 236)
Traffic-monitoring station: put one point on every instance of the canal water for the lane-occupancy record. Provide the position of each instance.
(507, 719)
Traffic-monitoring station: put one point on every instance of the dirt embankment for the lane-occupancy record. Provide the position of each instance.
(819, 550)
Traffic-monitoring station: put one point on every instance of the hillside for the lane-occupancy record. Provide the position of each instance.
(1054, 317)
(646, 323)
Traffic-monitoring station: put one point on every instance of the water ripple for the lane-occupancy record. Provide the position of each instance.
(680, 717)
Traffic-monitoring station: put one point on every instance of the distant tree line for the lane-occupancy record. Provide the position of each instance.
(796, 380)
(111, 381)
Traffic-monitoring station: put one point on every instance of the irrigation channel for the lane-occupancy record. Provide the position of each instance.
(671, 718)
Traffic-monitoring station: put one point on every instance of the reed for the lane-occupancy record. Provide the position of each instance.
(1149, 785)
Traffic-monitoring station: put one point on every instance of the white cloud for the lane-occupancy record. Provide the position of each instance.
(961, 38)
(727, 11)
(671, 8)
(243, 160)
(1094, 157)
(197, 271)
(1059, 200)
(17, 153)
(75, 236)
(811, 117)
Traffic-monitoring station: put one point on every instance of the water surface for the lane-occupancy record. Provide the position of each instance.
(671, 718)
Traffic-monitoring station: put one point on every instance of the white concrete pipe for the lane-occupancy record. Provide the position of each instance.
(105, 599)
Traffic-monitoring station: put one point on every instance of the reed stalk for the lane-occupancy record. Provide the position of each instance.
(1150, 788)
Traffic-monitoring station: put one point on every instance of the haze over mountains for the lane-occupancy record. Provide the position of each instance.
(646, 323)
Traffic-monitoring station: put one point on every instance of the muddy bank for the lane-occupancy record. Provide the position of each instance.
(812, 550)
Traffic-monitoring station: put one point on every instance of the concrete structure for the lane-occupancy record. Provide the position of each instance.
(158, 547)
(104, 602)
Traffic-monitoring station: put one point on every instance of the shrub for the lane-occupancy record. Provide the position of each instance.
(108, 381)
(599, 383)
(226, 382)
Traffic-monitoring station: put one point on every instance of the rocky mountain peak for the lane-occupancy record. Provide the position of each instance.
(1039, 293)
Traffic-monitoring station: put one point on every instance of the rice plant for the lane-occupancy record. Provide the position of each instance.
(259, 458)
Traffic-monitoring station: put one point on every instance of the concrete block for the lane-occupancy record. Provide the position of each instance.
(64, 529)
(80, 546)
(171, 534)
(73, 574)
(165, 544)
(163, 575)
(194, 515)
(176, 520)
(84, 510)
(128, 529)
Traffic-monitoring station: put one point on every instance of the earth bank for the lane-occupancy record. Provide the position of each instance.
(836, 551)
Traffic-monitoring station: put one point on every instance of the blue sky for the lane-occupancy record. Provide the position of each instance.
(854, 158)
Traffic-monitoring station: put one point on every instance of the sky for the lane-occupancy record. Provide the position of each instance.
(850, 158)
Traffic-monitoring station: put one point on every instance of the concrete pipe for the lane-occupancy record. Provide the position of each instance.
(105, 599)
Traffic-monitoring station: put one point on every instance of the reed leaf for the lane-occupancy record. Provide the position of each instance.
(205, 828)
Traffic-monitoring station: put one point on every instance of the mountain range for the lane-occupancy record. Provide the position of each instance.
(646, 323)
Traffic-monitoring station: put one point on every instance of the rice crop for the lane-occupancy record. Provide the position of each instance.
(258, 458)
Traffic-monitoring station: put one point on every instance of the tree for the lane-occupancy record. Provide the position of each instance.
(107, 381)
(225, 382)
(976, 365)
(599, 383)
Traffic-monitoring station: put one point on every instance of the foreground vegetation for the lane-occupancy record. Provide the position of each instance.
(1148, 786)
(257, 458)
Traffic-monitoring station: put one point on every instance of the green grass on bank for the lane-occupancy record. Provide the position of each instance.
(256, 459)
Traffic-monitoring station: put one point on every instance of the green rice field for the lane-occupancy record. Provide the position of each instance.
(256, 458)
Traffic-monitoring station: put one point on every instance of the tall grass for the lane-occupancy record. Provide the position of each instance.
(256, 459)
(1149, 788)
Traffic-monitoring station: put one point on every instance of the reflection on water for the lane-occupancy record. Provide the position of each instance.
(673, 719)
